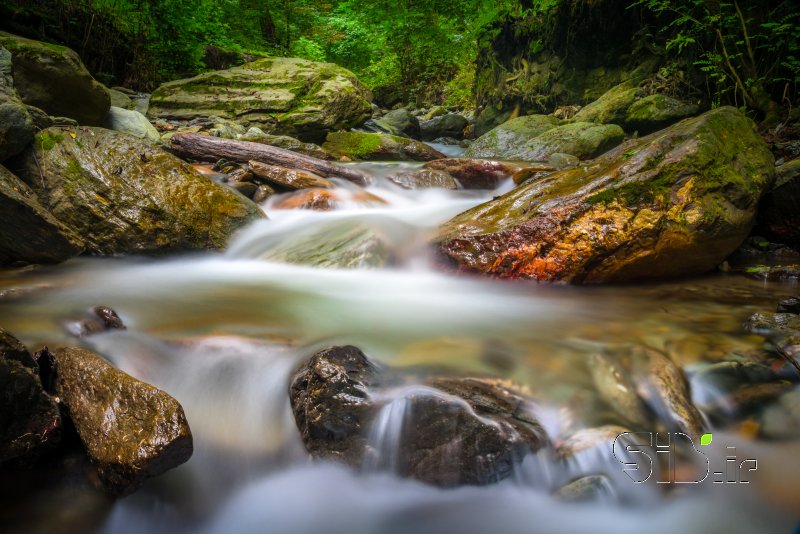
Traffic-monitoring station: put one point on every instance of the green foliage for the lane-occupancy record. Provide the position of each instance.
(748, 51)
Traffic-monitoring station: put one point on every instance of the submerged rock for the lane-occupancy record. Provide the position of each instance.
(131, 431)
(30, 423)
(28, 232)
(97, 320)
(123, 195)
(474, 173)
(379, 147)
(286, 96)
(54, 79)
(449, 431)
(424, 179)
(675, 203)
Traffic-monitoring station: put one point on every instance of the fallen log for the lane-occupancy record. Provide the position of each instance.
(208, 148)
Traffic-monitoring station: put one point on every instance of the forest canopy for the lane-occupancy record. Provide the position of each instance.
(748, 53)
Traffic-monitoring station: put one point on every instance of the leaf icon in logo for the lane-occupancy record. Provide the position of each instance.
(705, 439)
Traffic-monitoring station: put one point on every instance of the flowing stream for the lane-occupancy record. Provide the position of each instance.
(222, 333)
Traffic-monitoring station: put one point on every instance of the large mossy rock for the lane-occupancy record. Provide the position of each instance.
(30, 423)
(628, 106)
(28, 232)
(131, 430)
(583, 140)
(509, 139)
(447, 432)
(123, 195)
(674, 203)
(286, 96)
(378, 147)
(451, 125)
(54, 79)
(16, 124)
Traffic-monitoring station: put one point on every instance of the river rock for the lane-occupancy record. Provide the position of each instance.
(450, 125)
(324, 199)
(54, 79)
(95, 321)
(508, 140)
(256, 135)
(451, 431)
(378, 147)
(424, 179)
(28, 232)
(583, 140)
(30, 423)
(674, 203)
(345, 246)
(120, 99)
(285, 96)
(401, 122)
(585, 489)
(16, 123)
(779, 213)
(474, 173)
(292, 179)
(123, 195)
(130, 430)
(132, 123)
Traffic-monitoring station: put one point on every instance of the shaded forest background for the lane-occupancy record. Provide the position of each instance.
(742, 53)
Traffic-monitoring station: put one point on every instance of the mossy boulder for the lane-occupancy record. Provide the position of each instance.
(123, 195)
(677, 202)
(54, 79)
(285, 96)
(378, 147)
(130, 430)
(508, 140)
(635, 111)
(28, 232)
(30, 423)
(16, 123)
(583, 140)
(401, 122)
(451, 125)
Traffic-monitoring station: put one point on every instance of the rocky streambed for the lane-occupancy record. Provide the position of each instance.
(229, 325)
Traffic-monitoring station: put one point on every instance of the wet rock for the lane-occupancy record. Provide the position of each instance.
(614, 383)
(97, 320)
(585, 489)
(283, 96)
(584, 140)
(789, 305)
(474, 173)
(450, 125)
(674, 203)
(589, 439)
(262, 193)
(123, 195)
(378, 147)
(424, 179)
(771, 323)
(451, 431)
(324, 199)
(292, 179)
(256, 135)
(30, 423)
(781, 420)
(246, 189)
(54, 79)
(130, 430)
(779, 213)
(28, 232)
(532, 172)
(132, 123)
(16, 123)
(563, 161)
(773, 273)
(507, 141)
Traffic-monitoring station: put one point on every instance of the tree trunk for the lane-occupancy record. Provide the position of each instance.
(208, 148)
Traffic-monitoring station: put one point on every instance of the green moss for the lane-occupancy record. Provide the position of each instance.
(352, 144)
(634, 193)
(48, 141)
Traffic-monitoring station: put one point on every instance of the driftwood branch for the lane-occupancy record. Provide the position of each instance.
(208, 148)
